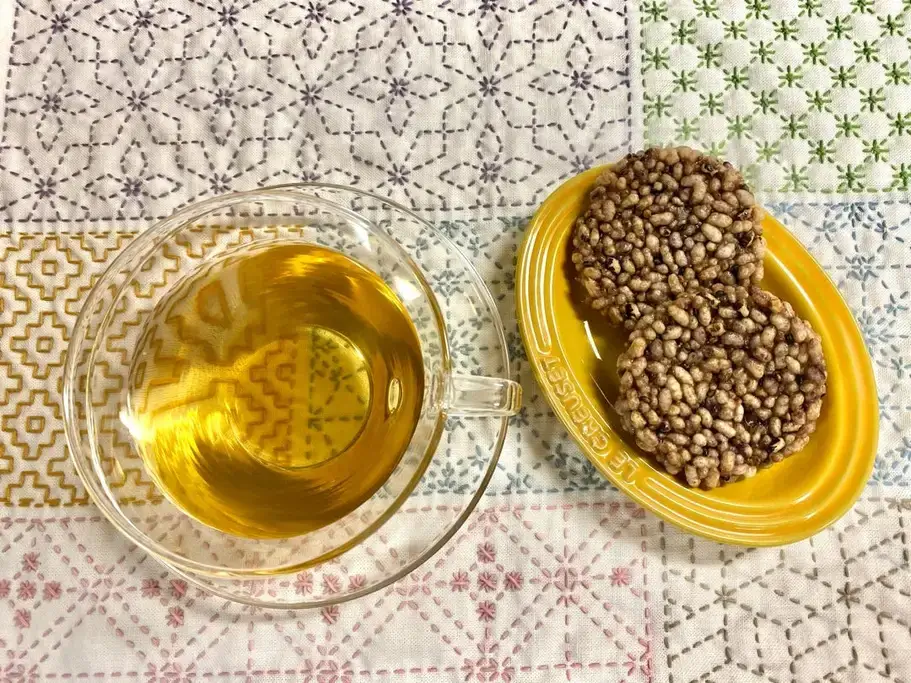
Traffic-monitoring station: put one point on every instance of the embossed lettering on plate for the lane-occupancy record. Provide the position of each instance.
(587, 425)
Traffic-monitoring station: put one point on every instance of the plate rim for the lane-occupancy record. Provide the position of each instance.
(618, 463)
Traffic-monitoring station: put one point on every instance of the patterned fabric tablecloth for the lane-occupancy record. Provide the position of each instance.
(116, 112)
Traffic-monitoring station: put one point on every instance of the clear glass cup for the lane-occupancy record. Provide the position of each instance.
(466, 400)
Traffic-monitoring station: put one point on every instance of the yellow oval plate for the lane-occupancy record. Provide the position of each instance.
(573, 352)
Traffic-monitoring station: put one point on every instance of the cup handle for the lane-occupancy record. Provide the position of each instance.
(470, 395)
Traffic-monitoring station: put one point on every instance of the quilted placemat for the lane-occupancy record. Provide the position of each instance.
(115, 113)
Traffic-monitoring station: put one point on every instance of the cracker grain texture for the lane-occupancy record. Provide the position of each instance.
(721, 382)
(661, 223)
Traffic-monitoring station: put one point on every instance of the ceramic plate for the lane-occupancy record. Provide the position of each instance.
(573, 352)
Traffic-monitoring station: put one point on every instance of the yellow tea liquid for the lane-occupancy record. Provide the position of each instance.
(276, 390)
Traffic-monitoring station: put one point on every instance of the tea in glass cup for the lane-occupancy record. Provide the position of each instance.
(267, 381)
(276, 389)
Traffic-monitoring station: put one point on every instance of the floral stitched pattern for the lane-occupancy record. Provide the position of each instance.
(803, 96)
(124, 111)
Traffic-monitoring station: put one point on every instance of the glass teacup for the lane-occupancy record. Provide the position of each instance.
(378, 541)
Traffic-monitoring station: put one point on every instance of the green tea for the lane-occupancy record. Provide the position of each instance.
(276, 390)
